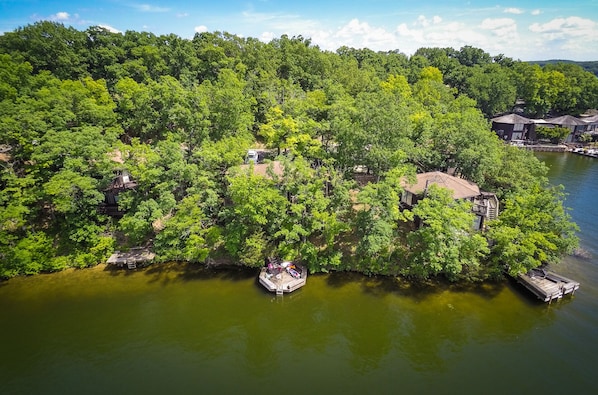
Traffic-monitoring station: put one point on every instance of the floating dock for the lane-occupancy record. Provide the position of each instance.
(281, 280)
(590, 152)
(547, 285)
(131, 258)
(546, 148)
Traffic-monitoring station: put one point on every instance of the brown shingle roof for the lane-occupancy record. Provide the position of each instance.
(461, 188)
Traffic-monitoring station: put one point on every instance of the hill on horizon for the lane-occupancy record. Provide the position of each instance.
(591, 66)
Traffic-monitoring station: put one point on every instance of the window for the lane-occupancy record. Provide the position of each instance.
(518, 127)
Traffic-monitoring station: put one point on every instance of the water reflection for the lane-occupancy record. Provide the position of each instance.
(193, 326)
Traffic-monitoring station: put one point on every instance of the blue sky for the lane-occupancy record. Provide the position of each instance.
(522, 29)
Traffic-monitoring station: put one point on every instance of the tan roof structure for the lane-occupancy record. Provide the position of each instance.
(462, 189)
(262, 168)
(512, 119)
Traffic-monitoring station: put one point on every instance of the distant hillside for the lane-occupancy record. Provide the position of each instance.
(591, 66)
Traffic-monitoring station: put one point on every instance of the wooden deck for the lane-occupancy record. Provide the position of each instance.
(131, 258)
(547, 285)
(283, 282)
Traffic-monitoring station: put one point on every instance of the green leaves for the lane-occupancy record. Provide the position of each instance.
(79, 108)
(533, 229)
(445, 243)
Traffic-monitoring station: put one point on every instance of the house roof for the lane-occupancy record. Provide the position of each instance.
(540, 122)
(262, 168)
(568, 120)
(512, 119)
(592, 119)
(461, 188)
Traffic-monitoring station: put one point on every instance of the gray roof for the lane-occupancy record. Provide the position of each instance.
(512, 119)
(567, 120)
(592, 119)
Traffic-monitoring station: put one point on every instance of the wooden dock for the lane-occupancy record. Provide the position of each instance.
(589, 152)
(131, 258)
(547, 285)
(282, 282)
(546, 147)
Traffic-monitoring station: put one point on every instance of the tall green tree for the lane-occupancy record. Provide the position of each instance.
(533, 229)
(446, 243)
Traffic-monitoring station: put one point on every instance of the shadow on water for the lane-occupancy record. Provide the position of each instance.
(380, 286)
(171, 272)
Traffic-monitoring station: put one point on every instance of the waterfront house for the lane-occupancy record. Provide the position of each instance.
(512, 127)
(575, 125)
(120, 183)
(485, 204)
(591, 125)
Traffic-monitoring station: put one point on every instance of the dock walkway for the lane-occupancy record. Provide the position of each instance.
(547, 285)
(131, 258)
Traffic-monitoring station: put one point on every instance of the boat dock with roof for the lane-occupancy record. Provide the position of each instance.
(547, 285)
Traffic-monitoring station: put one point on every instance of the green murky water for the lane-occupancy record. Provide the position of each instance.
(181, 329)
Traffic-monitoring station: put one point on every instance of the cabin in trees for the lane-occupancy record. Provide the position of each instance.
(485, 204)
(512, 127)
(120, 183)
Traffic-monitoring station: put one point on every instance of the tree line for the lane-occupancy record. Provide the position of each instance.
(79, 107)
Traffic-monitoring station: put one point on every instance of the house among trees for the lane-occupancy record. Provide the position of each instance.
(575, 125)
(591, 125)
(512, 127)
(485, 204)
(121, 183)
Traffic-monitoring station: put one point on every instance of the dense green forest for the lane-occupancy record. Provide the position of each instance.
(79, 108)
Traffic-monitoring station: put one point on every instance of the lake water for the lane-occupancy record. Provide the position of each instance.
(181, 329)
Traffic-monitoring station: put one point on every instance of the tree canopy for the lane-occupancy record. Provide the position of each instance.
(78, 109)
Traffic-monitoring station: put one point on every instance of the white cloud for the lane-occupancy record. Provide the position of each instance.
(512, 10)
(495, 34)
(182, 15)
(150, 8)
(110, 28)
(570, 27)
(200, 29)
(282, 22)
(572, 37)
(267, 36)
(501, 27)
(425, 22)
(439, 33)
(60, 16)
(361, 34)
(536, 12)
